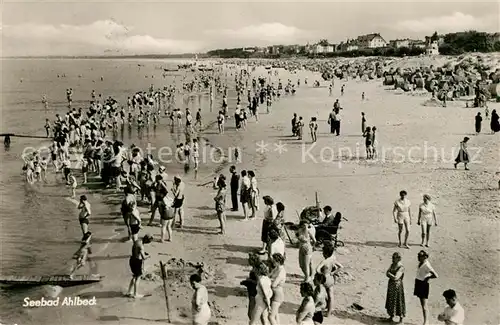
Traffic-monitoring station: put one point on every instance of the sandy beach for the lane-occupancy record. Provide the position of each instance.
(417, 146)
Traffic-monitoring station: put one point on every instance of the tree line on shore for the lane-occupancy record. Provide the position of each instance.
(452, 44)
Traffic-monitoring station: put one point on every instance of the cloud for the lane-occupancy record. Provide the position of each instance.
(456, 22)
(266, 33)
(100, 37)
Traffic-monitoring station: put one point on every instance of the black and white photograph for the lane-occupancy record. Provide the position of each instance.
(250, 162)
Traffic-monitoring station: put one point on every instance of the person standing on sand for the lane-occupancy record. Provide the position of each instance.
(454, 313)
(260, 312)
(279, 220)
(220, 204)
(478, 121)
(331, 119)
(306, 311)
(313, 128)
(425, 272)
(402, 216)
(81, 257)
(245, 193)
(136, 263)
(494, 123)
(166, 219)
(426, 217)
(196, 156)
(294, 125)
(251, 283)
(126, 209)
(234, 183)
(395, 298)
(300, 128)
(278, 278)
(178, 192)
(463, 154)
(200, 308)
(368, 142)
(336, 122)
(220, 122)
(160, 191)
(47, 127)
(305, 235)
(329, 267)
(319, 298)
(73, 183)
(135, 221)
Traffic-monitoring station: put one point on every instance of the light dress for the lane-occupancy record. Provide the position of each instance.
(426, 214)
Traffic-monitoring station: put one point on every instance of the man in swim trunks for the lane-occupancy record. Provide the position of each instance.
(136, 263)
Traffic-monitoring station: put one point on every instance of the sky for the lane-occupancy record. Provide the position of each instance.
(37, 27)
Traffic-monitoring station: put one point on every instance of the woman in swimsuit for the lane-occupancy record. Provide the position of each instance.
(305, 313)
(426, 217)
(278, 278)
(402, 216)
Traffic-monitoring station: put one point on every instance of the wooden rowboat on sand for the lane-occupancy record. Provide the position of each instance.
(59, 280)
